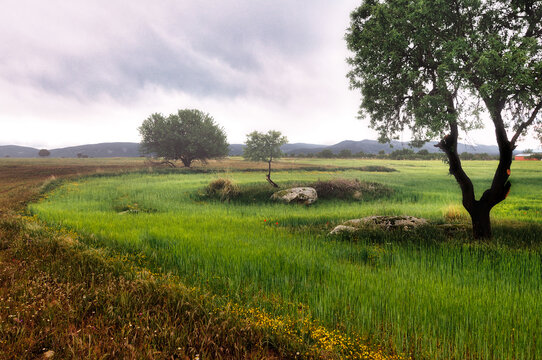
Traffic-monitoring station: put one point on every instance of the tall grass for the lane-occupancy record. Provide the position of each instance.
(420, 292)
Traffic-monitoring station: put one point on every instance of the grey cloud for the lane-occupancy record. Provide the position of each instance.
(204, 49)
(283, 26)
(124, 70)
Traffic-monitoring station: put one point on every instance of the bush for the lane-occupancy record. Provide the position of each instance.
(336, 188)
(376, 168)
(340, 188)
(222, 188)
(455, 213)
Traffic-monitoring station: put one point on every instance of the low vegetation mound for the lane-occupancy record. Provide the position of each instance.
(376, 168)
(223, 189)
(124, 208)
(335, 189)
(389, 222)
(340, 188)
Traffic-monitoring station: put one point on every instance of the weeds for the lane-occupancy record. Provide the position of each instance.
(60, 297)
(455, 213)
(222, 188)
(352, 189)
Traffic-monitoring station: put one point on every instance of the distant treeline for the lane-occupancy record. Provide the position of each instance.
(402, 154)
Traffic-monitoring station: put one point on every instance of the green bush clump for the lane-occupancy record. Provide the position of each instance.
(376, 168)
(223, 189)
(340, 188)
(334, 189)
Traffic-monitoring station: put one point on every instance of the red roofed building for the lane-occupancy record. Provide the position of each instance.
(524, 157)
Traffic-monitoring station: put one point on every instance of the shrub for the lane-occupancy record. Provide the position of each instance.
(340, 188)
(376, 168)
(336, 188)
(455, 213)
(44, 153)
(222, 188)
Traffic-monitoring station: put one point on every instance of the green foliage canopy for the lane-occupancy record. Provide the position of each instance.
(426, 64)
(264, 146)
(188, 135)
(44, 153)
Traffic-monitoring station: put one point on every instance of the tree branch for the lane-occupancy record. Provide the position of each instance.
(449, 145)
(524, 125)
(271, 181)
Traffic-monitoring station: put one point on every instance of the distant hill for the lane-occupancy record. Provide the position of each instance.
(129, 149)
(117, 149)
(374, 147)
(237, 149)
(18, 151)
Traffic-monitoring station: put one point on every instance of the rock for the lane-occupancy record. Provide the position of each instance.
(342, 229)
(404, 222)
(48, 354)
(300, 195)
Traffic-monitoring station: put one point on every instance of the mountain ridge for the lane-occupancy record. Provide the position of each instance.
(130, 149)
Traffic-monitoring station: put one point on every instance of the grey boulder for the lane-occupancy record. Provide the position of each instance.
(299, 195)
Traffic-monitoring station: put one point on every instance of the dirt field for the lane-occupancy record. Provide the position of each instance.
(21, 179)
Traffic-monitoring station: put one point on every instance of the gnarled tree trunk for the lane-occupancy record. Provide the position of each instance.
(479, 210)
(268, 176)
(481, 223)
(186, 161)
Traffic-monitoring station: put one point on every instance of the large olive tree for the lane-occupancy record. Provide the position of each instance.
(435, 65)
(187, 135)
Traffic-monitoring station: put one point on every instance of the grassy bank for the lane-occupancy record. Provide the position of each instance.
(61, 298)
(427, 292)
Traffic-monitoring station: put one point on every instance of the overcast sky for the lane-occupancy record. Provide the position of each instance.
(77, 72)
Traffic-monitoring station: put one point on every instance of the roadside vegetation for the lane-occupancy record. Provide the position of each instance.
(431, 292)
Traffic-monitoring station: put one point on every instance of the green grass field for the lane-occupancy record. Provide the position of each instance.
(427, 293)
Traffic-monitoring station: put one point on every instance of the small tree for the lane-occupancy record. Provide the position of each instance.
(434, 66)
(423, 152)
(187, 136)
(345, 154)
(44, 153)
(326, 154)
(264, 147)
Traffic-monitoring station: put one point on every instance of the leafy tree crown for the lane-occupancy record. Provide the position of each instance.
(188, 135)
(426, 64)
(264, 146)
(44, 152)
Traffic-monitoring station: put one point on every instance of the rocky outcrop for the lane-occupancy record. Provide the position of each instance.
(299, 195)
(342, 229)
(403, 222)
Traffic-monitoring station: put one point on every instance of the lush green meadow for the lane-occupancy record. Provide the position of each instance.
(428, 292)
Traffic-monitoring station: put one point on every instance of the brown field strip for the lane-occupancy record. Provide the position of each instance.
(20, 179)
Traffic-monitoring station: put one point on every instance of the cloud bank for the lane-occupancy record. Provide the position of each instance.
(81, 72)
